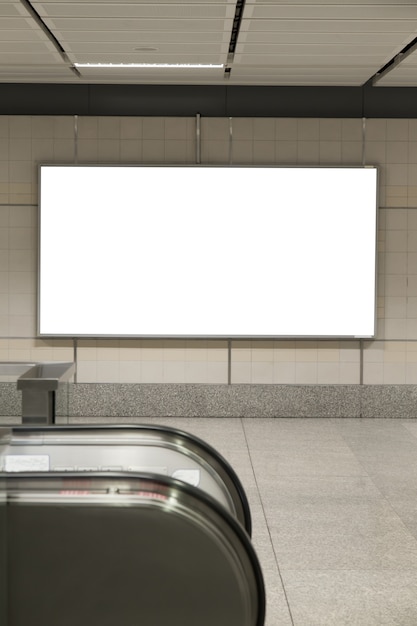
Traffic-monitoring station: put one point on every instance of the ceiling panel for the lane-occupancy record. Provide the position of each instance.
(317, 11)
(319, 36)
(280, 42)
(145, 37)
(402, 75)
(331, 26)
(80, 10)
(125, 24)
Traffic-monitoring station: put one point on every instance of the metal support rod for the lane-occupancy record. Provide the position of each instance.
(198, 139)
(363, 141)
(76, 139)
(229, 362)
(230, 140)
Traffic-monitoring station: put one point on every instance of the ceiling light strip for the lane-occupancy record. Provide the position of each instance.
(150, 65)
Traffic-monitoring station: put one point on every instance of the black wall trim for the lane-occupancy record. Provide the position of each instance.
(207, 100)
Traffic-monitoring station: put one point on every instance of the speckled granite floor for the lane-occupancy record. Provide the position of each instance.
(334, 511)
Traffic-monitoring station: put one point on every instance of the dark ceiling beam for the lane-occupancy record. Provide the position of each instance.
(207, 100)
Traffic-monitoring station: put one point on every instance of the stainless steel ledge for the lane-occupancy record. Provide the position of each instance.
(46, 376)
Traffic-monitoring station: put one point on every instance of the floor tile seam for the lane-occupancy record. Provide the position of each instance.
(383, 496)
(359, 570)
(405, 526)
(267, 525)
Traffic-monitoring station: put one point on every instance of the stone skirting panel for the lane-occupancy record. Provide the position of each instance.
(109, 400)
(10, 400)
(164, 400)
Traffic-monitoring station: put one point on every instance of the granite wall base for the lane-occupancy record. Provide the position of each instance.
(193, 400)
(109, 400)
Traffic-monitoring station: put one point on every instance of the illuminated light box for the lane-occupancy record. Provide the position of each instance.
(200, 251)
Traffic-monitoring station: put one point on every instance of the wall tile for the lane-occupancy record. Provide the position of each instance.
(397, 129)
(395, 328)
(64, 151)
(308, 129)
(174, 371)
(87, 150)
(394, 374)
(395, 219)
(286, 152)
(176, 151)
(396, 285)
(129, 371)
(411, 329)
(349, 374)
(108, 372)
(287, 141)
(263, 151)
(375, 129)
(373, 374)
(153, 151)
(64, 127)
(20, 126)
(131, 128)
(262, 372)
(352, 130)
(284, 373)
(242, 128)
(306, 373)
(396, 241)
(375, 152)
(330, 152)
(242, 151)
(286, 129)
(4, 126)
(109, 150)
(4, 148)
(152, 372)
(352, 152)
(327, 373)
(411, 374)
(396, 263)
(264, 129)
(397, 152)
(216, 129)
(22, 325)
(217, 373)
(330, 129)
(87, 127)
(130, 151)
(109, 128)
(308, 153)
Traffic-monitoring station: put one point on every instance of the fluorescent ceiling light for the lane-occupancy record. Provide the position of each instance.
(152, 65)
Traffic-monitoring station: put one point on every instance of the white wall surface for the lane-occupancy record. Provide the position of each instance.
(389, 143)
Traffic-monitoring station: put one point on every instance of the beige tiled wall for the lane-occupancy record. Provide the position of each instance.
(389, 143)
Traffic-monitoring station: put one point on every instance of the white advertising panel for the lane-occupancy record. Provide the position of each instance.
(177, 251)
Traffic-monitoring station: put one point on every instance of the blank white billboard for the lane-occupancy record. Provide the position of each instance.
(177, 251)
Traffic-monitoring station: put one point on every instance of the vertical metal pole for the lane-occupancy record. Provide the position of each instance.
(229, 343)
(75, 139)
(363, 140)
(198, 139)
(230, 140)
(361, 341)
(75, 358)
(229, 362)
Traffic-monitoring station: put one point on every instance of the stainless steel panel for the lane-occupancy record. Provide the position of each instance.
(155, 449)
(124, 549)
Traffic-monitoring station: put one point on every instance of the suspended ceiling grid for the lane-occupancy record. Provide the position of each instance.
(296, 43)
